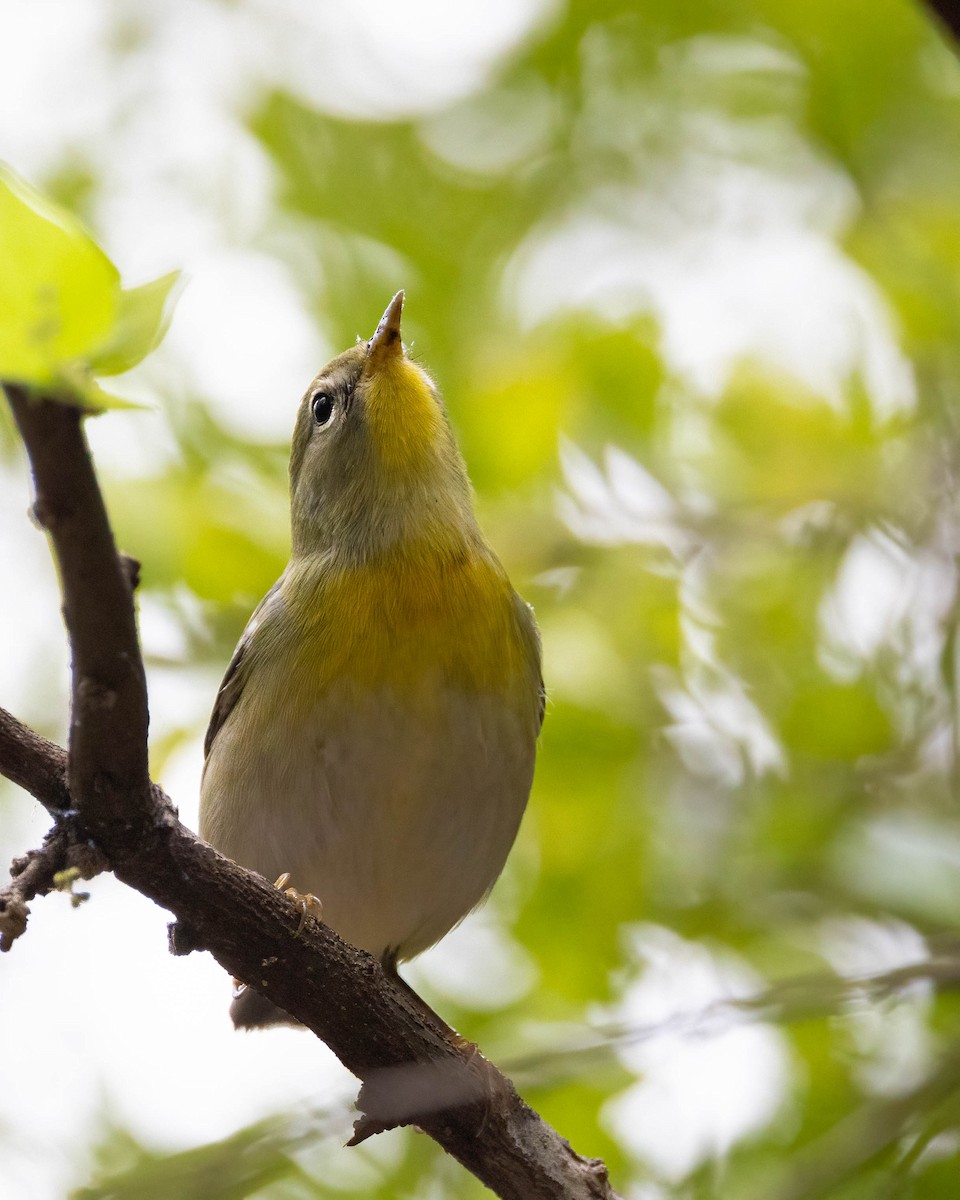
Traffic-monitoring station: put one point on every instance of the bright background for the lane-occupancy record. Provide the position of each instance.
(687, 275)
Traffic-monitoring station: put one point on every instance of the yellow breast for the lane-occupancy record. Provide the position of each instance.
(410, 622)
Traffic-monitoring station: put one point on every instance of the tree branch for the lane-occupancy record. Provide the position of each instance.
(65, 856)
(107, 771)
(40, 768)
(33, 763)
(410, 1067)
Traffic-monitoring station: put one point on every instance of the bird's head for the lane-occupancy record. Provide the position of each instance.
(374, 463)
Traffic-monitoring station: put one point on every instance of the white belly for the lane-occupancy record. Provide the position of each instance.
(399, 823)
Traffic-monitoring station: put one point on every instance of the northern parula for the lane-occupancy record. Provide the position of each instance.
(375, 733)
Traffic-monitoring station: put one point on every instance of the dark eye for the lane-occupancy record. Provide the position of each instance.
(322, 408)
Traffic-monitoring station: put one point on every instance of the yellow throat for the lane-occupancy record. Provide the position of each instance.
(384, 470)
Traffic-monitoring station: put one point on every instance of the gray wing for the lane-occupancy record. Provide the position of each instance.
(238, 669)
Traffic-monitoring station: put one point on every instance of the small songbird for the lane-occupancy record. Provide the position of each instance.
(375, 733)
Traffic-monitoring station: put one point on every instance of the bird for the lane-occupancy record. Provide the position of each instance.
(374, 737)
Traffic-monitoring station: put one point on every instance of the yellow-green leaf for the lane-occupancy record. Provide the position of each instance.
(58, 290)
(143, 316)
(64, 318)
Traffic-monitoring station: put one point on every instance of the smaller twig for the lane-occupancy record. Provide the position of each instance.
(65, 856)
(131, 569)
(14, 913)
(33, 763)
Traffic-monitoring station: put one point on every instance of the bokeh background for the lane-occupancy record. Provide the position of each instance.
(687, 275)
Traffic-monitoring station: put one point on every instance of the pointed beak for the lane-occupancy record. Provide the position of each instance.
(385, 343)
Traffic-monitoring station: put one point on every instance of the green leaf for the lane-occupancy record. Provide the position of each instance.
(65, 317)
(58, 290)
(143, 316)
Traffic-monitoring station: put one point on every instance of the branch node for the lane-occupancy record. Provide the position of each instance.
(19, 865)
(65, 856)
(182, 939)
(95, 695)
(40, 516)
(131, 570)
(86, 859)
(14, 913)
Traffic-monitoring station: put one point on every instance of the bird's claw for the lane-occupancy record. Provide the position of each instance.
(307, 902)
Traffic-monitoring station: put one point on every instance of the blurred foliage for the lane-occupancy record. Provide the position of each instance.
(748, 594)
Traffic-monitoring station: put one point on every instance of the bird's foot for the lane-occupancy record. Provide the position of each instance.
(490, 1083)
(309, 905)
(307, 902)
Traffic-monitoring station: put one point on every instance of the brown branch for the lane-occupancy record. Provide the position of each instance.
(33, 763)
(949, 13)
(107, 765)
(65, 856)
(411, 1068)
(40, 768)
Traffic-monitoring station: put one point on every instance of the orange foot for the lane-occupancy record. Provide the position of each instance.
(308, 903)
(491, 1084)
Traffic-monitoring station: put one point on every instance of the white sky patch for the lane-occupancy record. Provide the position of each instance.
(885, 592)
(893, 1040)
(715, 727)
(751, 270)
(363, 58)
(117, 1010)
(378, 58)
(624, 503)
(34, 660)
(858, 946)
(496, 132)
(508, 972)
(699, 1093)
(718, 731)
(906, 861)
(246, 342)
(51, 85)
(869, 597)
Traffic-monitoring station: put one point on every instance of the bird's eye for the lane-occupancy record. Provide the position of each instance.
(322, 408)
